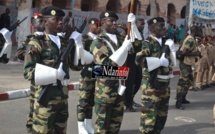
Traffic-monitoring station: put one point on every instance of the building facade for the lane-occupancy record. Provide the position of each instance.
(170, 9)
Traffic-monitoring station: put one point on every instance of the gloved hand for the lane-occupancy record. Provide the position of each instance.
(7, 35)
(77, 37)
(131, 18)
(60, 72)
(127, 43)
(164, 61)
(171, 45)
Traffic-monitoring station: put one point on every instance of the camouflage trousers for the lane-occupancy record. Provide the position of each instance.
(109, 112)
(86, 98)
(30, 115)
(53, 118)
(154, 107)
(185, 79)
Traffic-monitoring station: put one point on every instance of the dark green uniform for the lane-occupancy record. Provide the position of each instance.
(109, 105)
(87, 87)
(156, 91)
(51, 119)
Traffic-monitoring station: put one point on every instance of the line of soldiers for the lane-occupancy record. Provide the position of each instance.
(155, 55)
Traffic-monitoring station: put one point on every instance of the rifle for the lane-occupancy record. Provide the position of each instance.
(11, 28)
(44, 95)
(83, 25)
(153, 74)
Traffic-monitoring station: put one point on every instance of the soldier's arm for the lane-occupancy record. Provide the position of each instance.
(187, 46)
(101, 53)
(31, 58)
(141, 55)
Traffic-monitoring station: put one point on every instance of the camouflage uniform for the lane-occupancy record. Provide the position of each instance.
(156, 91)
(53, 118)
(87, 88)
(4, 58)
(109, 105)
(186, 77)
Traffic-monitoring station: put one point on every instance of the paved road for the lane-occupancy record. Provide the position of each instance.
(196, 119)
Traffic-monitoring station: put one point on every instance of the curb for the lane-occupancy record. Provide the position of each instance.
(21, 93)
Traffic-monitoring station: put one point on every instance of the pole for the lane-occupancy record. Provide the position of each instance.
(72, 5)
(130, 11)
(186, 27)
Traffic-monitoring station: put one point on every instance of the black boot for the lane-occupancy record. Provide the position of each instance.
(184, 100)
(178, 103)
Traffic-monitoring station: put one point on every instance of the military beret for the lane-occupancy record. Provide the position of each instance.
(155, 20)
(52, 11)
(107, 14)
(93, 21)
(36, 15)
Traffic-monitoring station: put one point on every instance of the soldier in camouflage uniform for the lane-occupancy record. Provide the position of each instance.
(38, 28)
(5, 45)
(42, 52)
(156, 76)
(109, 104)
(186, 78)
(36, 21)
(87, 84)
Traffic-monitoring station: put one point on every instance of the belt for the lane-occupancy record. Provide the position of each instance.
(165, 77)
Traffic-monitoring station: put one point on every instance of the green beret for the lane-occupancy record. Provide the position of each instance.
(107, 14)
(155, 20)
(52, 11)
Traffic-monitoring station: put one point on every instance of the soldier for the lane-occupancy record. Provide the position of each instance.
(87, 84)
(5, 45)
(133, 81)
(37, 29)
(42, 52)
(186, 78)
(157, 70)
(109, 104)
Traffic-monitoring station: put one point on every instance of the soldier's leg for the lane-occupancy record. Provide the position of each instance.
(85, 103)
(162, 112)
(205, 78)
(138, 79)
(116, 116)
(45, 118)
(103, 114)
(30, 115)
(149, 109)
(199, 79)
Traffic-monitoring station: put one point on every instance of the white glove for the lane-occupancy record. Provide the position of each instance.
(127, 43)
(164, 61)
(171, 45)
(60, 72)
(134, 33)
(77, 37)
(6, 34)
(131, 18)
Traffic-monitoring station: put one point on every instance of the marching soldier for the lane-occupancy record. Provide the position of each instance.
(154, 58)
(42, 52)
(87, 84)
(109, 104)
(186, 78)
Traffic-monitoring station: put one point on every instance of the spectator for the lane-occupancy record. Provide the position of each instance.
(5, 19)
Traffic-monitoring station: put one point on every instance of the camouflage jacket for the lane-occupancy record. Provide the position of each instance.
(101, 52)
(152, 48)
(41, 49)
(4, 58)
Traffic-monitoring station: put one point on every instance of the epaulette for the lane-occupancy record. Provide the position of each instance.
(39, 37)
(29, 36)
